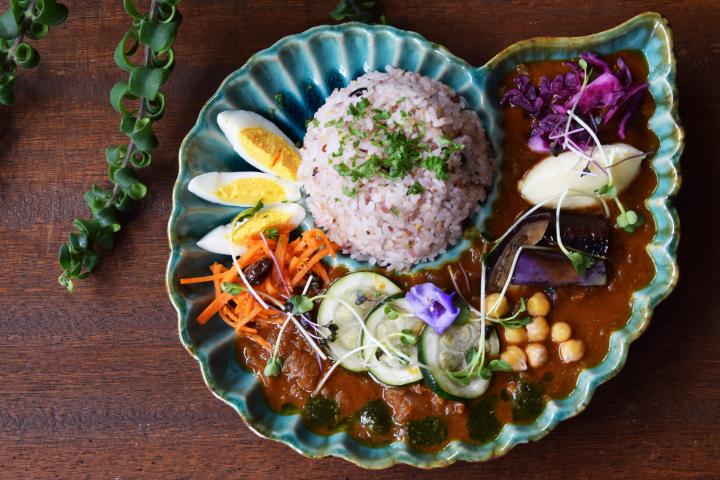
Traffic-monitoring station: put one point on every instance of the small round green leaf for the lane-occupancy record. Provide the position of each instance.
(26, 56)
(108, 218)
(125, 177)
(37, 30)
(140, 159)
(158, 36)
(156, 108)
(9, 28)
(129, 6)
(143, 135)
(127, 47)
(136, 191)
(116, 155)
(127, 124)
(118, 94)
(49, 12)
(146, 81)
(165, 61)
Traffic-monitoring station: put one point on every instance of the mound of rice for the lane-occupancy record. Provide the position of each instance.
(394, 221)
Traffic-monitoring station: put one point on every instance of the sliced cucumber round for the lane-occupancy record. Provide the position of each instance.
(393, 370)
(362, 291)
(450, 351)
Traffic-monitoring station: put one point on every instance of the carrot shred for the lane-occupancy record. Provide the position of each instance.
(320, 271)
(295, 260)
(213, 308)
(306, 268)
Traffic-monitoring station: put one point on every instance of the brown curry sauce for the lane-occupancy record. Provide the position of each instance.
(592, 312)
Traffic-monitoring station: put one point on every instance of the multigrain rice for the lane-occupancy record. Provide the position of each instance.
(375, 219)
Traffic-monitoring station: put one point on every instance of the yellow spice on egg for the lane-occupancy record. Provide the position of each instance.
(272, 151)
(251, 190)
(258, 223)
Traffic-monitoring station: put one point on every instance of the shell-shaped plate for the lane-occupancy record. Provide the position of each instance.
(305, 68)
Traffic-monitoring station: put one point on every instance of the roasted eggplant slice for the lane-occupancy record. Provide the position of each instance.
(528, 233)
(585, 233)
(589, 234)
(552, 267)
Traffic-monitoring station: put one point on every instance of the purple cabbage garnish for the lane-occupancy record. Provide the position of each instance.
(432, 306)
(606, 93)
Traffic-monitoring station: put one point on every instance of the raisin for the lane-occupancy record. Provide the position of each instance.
(258, 271)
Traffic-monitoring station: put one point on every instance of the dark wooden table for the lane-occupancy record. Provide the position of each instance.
(97, 385)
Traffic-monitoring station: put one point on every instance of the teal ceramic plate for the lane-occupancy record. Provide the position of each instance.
(305, 68)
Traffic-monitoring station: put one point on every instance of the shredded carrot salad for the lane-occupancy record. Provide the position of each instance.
(293, 262)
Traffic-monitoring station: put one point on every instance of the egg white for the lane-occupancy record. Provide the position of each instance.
(232, 121)
(206, 186)
(217, 240)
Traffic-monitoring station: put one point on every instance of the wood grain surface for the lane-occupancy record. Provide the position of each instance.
(97, 385)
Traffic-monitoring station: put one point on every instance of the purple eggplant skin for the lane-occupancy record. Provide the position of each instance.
(528, 233)
(585, 233)
(552, 267)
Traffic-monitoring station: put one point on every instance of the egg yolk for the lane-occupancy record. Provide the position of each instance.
(251, 190)
(271, 150)
(260, 222)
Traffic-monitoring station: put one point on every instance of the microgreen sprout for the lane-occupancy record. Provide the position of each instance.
(299, 304)
(232, 288)
(273, 367)
(408, 337)
(516, 320)
(495, 365)
(391, 312)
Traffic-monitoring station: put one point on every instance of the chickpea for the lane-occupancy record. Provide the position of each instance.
(538, 305)
(515, 357)
(537, 354)
(538, 330)
(515, 335)
(560, 332)
(502, 308)
(572, 350)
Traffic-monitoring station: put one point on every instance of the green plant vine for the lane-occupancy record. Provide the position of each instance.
(140, 103)
(24, 18)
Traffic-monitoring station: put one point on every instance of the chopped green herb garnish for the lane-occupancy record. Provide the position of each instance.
(395, 211)
(415, 189)
(358, 109)
(271, 233)
(350, 192)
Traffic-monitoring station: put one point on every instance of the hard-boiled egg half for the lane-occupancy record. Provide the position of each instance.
(218, 240)
(260, 143)
(243, 189)
(568, 171)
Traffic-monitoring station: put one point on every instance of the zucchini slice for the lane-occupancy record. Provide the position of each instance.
(450, 351)
(362, 290)
(392, 370)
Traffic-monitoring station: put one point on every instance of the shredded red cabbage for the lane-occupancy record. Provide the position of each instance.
(608, 91)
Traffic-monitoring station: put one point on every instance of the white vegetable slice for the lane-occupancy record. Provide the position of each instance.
(386, 369)
(449, 351)
(362, 290)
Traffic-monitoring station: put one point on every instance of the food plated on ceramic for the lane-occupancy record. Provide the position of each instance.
(413, 270)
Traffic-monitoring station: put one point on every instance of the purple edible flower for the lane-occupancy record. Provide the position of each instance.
(432, 306)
